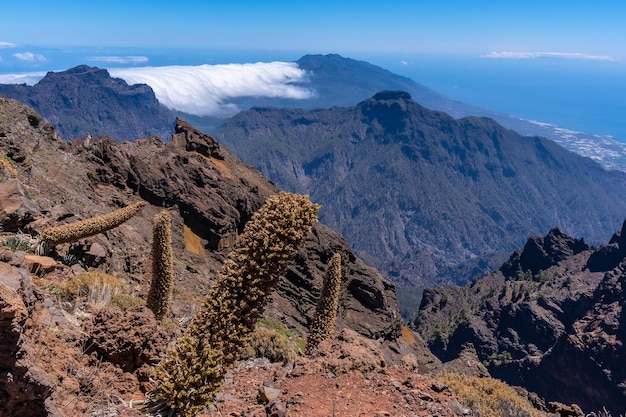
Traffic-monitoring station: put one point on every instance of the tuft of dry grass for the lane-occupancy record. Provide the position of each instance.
(408, 335)
(488, 397)
(99, 288)
(272, 344)
(7, 168)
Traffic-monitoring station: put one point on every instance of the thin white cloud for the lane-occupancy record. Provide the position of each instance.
(31, 78)
(29, 57)
(562, 55)
(205, 89)
(7, 45)
(119, 59)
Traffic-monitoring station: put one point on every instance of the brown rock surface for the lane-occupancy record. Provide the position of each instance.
(17, 209)
(128, 339)
(559, 332)
(24, 386)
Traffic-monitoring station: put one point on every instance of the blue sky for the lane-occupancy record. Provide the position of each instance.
(348, 27)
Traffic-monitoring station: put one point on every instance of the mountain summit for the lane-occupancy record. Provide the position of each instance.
(88, 101)
(416, 192)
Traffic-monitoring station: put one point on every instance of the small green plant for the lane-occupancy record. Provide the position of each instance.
(21, 242)
(70, 259)
(160, 294)
(192, 371)
(90, 227)
(323, 322)
(500, 357)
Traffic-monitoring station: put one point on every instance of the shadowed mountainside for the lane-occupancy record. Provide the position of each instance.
(86, 100)
(552, 319)
(416, 193)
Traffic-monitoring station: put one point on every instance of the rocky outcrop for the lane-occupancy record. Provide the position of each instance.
(363, 292)
(540, 253)
(24, 386)
(17, 209)
(552, 319)
(193, 173)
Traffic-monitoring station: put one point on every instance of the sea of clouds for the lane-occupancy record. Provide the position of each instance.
(206, 90)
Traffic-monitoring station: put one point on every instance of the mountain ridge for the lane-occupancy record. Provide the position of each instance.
(424, 171)
(551, 319)
(339, 81)
(86, 100)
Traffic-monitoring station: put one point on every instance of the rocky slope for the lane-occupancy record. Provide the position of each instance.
(417, 193)
(87, 101)
(551, 319)
(210, 195)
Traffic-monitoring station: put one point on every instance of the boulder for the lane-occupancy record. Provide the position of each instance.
(128, 339)
(17, 209)
(24, 387)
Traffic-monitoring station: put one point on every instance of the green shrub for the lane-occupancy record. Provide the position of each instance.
(125, 301)
(271, 344)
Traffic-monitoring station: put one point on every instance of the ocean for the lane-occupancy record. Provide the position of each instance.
(587, 96)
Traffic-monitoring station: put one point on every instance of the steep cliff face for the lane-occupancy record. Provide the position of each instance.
(87, 100)
(419, 194)
(552, 319)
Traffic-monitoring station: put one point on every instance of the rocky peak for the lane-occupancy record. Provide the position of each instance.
(389, 111)
(391, 95)
(610, 255)
(540, 253)
(86, 101)
(192, 140)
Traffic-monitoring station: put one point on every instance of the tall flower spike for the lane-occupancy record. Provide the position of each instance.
(160, 293)
(90, 227)
(192, 372)
(325, 316)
